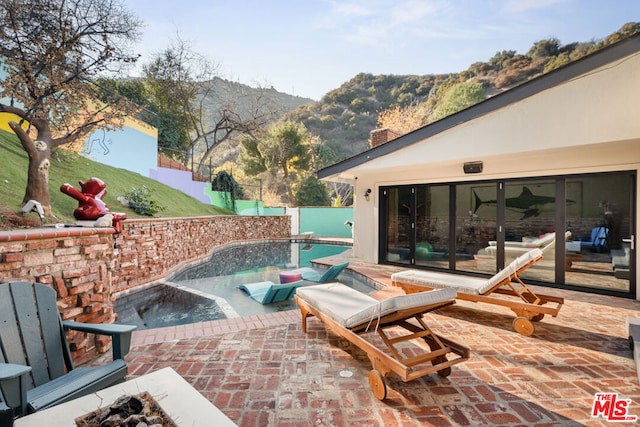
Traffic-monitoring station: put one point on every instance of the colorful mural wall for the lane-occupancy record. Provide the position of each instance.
(5, 118)
(181, 180)
(134, 147)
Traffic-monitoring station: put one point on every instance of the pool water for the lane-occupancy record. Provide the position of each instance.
(210, 288)
(167, 305)
(256, 256)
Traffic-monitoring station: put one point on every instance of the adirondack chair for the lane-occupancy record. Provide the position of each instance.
(32, 341)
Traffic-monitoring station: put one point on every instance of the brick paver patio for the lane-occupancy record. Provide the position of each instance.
(263, 371)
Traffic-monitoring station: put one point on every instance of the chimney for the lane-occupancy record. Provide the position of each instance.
(381, 136)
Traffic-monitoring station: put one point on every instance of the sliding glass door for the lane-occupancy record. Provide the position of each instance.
(476, 227)
(530, 223)
(599, 251)
(432, 225)
(398, 229)
(583, 224)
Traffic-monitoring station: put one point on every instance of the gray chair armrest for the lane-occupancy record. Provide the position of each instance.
(13, 383)
(120, 334)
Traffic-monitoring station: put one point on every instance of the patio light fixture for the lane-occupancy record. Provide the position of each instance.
(472, 167)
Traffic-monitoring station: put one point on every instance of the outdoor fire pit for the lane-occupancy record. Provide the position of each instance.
(141, 410)
(163, 393)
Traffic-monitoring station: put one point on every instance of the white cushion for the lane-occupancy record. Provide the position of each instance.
(351, 308)
(464, 284)
(434, 279)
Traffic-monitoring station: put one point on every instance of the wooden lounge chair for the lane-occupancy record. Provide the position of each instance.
(355, 316)
(331, 275)
(511, 291)
(36, 369)
(268, 292)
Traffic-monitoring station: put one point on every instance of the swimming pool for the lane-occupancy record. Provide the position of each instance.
(209, 289)
(167, 305)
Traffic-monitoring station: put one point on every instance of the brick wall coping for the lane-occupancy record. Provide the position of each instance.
(52, 233)
(176, 218)
(73, 231)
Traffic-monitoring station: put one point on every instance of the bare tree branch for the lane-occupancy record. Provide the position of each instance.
(187, 84)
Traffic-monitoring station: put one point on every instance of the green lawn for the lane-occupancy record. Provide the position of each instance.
(71, 167)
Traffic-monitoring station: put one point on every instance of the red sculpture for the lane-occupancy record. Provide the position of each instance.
(90, 204)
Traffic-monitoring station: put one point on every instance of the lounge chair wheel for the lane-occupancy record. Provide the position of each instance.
(538, 317)
(445, 372)
(377, 384)
(523, 326)
(442, 372)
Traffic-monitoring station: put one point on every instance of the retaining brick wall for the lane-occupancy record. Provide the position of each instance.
(149, 250)
(87, 266)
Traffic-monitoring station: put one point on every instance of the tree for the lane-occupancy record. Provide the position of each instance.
(562, 59)
(497, 61)
(311, 192)
(457, 98)
(284, 147)
(226, 183)
(341, 194)
(51, 51)
(185, 88)
(135, 91)
(544, 48)
(402, 120)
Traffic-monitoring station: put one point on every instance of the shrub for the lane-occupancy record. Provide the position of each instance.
(140, 202)
(226, 183)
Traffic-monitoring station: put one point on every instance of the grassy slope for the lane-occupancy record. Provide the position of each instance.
(70, 167)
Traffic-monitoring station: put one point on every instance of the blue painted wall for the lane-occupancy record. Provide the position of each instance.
(129, 148)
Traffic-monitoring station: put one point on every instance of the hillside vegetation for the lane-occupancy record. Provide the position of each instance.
(71, 167)
(344, 117)
(342, 120)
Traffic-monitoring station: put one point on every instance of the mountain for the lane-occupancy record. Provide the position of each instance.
(244, 100)
(344, 117)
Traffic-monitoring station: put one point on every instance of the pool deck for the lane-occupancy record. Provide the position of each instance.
(264, 371)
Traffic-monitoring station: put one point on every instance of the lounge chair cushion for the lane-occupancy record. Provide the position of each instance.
(351, 308)
(434, 279)
(545, 242)
(464, 284)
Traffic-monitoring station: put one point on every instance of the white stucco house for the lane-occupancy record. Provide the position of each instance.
(552, 163)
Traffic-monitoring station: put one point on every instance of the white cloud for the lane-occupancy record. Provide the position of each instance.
(414, 11)
(525, 5)
(380, 22)
(352, 9)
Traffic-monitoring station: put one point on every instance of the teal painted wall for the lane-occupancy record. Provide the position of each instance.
(273, 211)
(249, 207)
(243, 207)
(325, 221)
(322, 221)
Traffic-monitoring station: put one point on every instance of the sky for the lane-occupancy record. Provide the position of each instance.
(310, 47)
